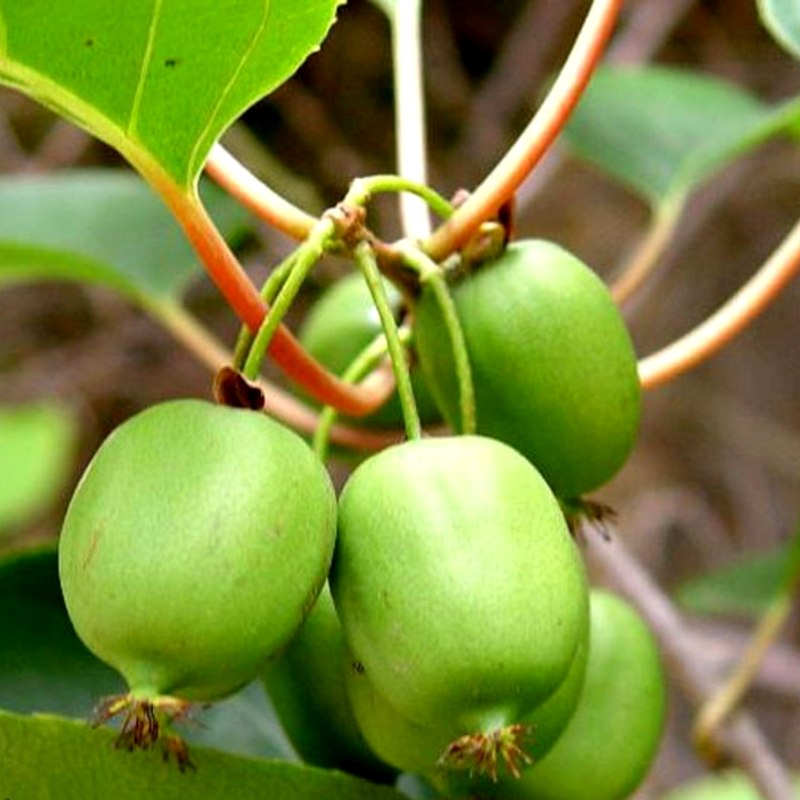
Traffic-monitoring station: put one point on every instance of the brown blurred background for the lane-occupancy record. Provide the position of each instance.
(716, 474)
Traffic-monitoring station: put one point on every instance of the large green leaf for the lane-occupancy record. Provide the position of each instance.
(44, 667)
(36, 449)
(662, 130)
(159, 80)
(45, 757)
(782, 19)
(101, 226)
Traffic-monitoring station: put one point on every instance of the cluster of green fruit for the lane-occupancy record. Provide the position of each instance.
(437, 619)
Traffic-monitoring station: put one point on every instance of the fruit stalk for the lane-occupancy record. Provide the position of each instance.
(306, 257)
(224, 269)
(271, 287)
(362, 364)
(365, 257)
(432, 275)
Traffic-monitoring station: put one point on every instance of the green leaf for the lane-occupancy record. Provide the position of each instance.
(101, 226)
(744, 588)
(159, 81)
(36, 450)
(782, 19)
(45, 757)
(43, 664)
(661, 131)
(44, 667)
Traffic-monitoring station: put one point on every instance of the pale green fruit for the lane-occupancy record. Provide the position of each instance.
(194, 546)
(307, 687)
(459, 588)
(553, 365)
(419, 749)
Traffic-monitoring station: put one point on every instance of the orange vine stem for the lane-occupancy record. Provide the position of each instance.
(498, 187)
(255, 195)
(243, 297)
(730, 319)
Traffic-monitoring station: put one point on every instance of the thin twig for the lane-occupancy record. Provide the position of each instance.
(534, 141)
(740, 739)
(728, 697)
(730, 319)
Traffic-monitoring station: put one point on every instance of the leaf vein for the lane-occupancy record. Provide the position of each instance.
(145, 68)
(251, 45)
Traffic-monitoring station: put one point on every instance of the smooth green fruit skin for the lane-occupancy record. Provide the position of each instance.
(417, 749)
(194, 545)
(553, 366)
(611, 740)
(340, 324)
(459, 588)
(307, 687)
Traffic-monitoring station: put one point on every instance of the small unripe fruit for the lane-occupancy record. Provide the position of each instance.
(306, 684)
(461, 593)
(194, 546)
(554, 369)
(433, 750)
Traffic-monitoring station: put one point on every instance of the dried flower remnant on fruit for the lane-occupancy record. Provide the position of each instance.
(144, 724)
(484, 753)
(580, 512)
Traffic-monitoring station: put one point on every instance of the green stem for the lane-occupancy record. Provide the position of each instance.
(362, 188)
(365, 258)
(433, 276)
(361, 366)
(269, 290)
(305, 258)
